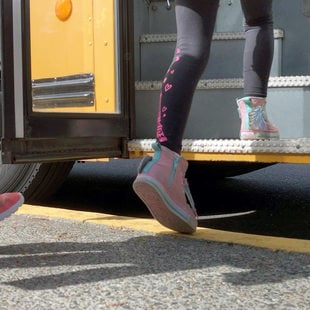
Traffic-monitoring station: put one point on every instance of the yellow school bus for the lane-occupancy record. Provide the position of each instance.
(80, 80)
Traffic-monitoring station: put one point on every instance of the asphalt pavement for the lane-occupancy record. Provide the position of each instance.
(55, 263)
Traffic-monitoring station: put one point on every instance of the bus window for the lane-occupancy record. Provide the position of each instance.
(73, 56)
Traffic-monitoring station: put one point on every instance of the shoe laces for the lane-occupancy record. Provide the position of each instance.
(189, 197)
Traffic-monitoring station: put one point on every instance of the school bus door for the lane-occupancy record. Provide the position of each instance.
(66, 79)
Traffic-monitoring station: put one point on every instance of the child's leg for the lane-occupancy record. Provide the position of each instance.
(258, 56)
(259, 45)
(195, 25)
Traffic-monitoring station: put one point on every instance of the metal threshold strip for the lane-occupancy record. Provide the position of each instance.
(268, 151)
(217, 36)
(274, 82)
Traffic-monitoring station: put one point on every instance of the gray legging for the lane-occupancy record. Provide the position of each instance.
(195, 25)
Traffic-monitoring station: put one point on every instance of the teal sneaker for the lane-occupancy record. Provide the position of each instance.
(254, 121)
(162, 186)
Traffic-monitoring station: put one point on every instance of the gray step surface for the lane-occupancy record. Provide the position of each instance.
(299, 146)
(214, 111)
(157, 50)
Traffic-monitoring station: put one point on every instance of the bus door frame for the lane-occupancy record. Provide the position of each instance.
(46, 137)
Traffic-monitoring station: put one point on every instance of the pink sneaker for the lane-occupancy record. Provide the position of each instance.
(254, 121)
(162, 186)
(9, 203)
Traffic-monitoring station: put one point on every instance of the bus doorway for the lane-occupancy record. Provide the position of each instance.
(65, 93)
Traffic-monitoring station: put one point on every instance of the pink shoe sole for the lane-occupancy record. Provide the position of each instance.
(162, 208)
(259, 135)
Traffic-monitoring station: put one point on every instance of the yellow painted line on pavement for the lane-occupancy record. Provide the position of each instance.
(151, 225)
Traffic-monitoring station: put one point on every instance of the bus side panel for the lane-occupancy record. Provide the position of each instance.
(105, 70)
(61, 48)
